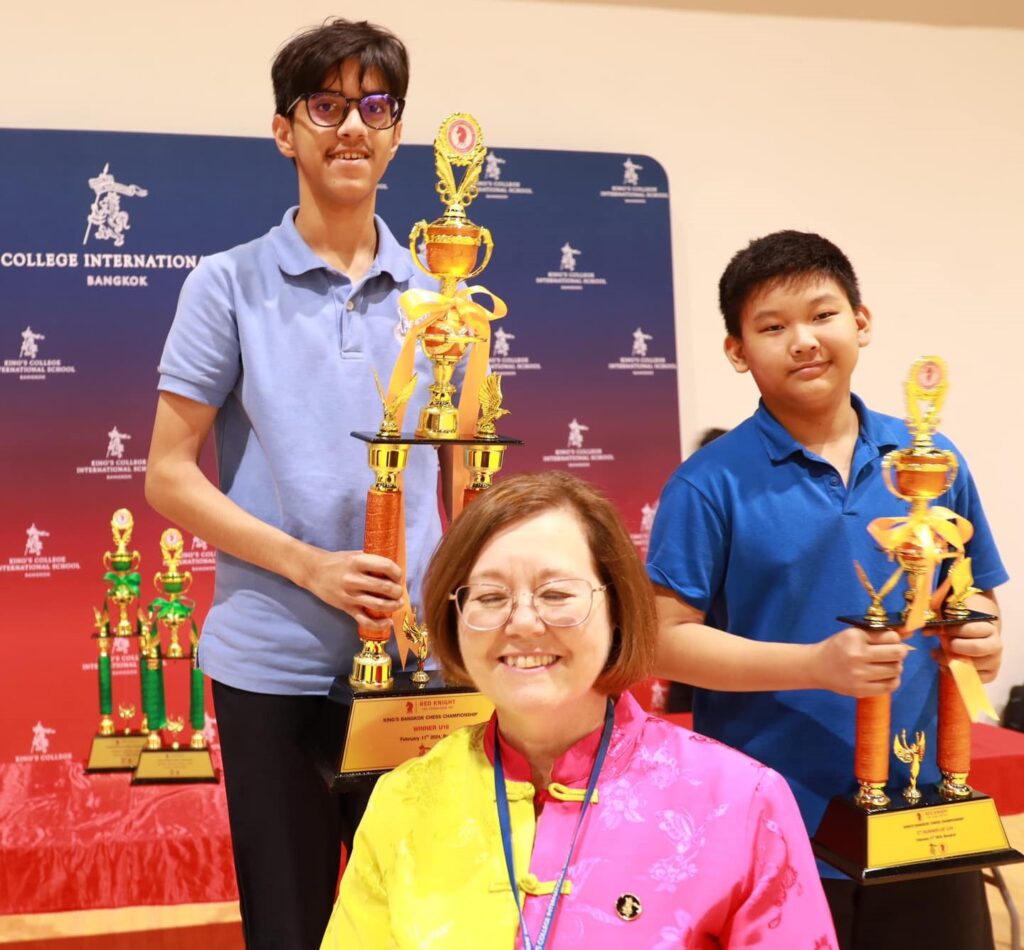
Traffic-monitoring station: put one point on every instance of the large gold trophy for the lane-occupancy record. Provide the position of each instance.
(874, 835)
(170, 760)
(117, 748)
(389, 717)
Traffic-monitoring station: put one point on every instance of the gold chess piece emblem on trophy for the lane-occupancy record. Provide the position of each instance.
(950, 827)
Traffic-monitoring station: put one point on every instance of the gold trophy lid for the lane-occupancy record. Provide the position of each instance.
(171, 546)
(459, 142)
(121, 525)
(925, 390)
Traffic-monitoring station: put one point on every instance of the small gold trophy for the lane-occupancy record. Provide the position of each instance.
(114, 751)
(160, 763)
(388, 717)
(870, 835)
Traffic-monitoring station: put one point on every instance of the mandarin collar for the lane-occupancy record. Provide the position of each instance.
(296, 257)
(572, 768)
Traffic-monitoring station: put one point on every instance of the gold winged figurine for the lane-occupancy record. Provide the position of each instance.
(389, 426)
(876, 614)
(912, 755)
(490, 407)
(417, 635)
(961, 579)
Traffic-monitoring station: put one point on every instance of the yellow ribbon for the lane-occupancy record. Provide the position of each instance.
(423, 308)
(935, 531)
(968, 682)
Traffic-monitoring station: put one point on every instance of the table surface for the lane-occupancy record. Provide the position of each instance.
(71, 840)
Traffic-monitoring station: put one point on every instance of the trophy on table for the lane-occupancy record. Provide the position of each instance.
(389, 717)
(169, 761)
(874, 836)
(116, 748)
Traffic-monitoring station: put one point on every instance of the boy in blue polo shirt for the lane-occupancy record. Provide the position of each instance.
(752, 556)
(272, 347)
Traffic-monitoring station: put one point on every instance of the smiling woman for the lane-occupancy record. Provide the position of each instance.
(511, 833)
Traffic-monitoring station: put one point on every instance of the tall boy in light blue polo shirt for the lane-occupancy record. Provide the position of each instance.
(752, 555)
(272, 348)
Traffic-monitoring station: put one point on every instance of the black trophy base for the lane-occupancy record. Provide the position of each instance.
(370, 731)
(116, 753)
(174, 767)
(410, 438)
(903, 841)
(895, 621)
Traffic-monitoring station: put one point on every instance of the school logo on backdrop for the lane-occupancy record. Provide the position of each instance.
(36, 559)
(570, 276)
(41, 746)
(107, 220)
(31, 365)
(503, 360)
(577, 454)
(642, 538)
(494, 183)
(632, 191)
(107, 230)
(118, 464)
(640, 362)
(199, 557)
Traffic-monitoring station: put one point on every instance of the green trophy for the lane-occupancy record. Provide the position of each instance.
(171, 762)
(113, 749)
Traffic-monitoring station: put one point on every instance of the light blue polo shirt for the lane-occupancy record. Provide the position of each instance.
(761, 535)
(284, 345)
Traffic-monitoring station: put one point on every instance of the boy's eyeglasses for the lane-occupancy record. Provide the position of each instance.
(327, 109)
(559, 603)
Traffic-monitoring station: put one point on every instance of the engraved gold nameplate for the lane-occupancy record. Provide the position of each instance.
(115, 753)
(384, 731)
(174, 765)
(944, 831)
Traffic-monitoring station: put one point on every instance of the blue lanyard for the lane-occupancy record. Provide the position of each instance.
(506, 831)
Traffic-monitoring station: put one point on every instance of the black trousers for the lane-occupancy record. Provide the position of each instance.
(948, 911)
(287, 828)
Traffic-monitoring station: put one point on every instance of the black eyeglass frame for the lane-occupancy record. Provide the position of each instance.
(351, 101)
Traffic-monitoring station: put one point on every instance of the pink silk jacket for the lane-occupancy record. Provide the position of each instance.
(688, 843)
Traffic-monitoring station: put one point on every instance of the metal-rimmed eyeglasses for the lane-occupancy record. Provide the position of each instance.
(565, 602)
(379, 110)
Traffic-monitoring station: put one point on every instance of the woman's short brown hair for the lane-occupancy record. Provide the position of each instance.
(514, 499)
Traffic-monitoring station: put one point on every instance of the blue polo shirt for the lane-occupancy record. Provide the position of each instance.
(283, 345)
(761, 535)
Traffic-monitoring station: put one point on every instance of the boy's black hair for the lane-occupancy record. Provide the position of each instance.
(780, 257)
(305, 60)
